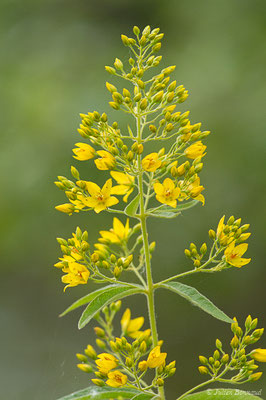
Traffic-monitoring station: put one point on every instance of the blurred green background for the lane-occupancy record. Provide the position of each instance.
(52, 67)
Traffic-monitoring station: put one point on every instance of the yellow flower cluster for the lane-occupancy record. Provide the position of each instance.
(80, 262)
(228, 240)
(240, 362)
(120, 362)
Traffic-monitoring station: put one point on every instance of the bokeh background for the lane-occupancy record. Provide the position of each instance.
(52, 67)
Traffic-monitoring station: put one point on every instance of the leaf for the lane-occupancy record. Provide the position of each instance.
(105, 393)
(222, 394)
(182, 206)
(104, 299)
(132, 207)
(144, 396)
(89, 297)
(197, 299)
(163, 214)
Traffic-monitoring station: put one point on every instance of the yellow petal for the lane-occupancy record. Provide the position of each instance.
(106, 190)
(120, 189)
(241, 249)
(168, 184)
(93, 188)
(111, 201)
(135, 324)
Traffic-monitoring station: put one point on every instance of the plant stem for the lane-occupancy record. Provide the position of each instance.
(142, 217)
(195, 388)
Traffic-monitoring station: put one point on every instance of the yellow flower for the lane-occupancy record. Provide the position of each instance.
(131, 327)
(118, 233)
(259, 355)
(125, 184)
(116, 379)
(193, 190)
(107, 160)
(106, 362)
(195, 150)
(100, 198)
(151, 162)
(83, 152)
(167, 193)
(66, 208)
(77, 274)
(233, 254)
(156, 358)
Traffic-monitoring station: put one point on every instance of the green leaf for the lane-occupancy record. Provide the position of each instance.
(144, 396)
(104, 299)
(222, 394)
(105, 393)
(88, 298)
(182, 206)
(163, 214)
(197, 299)
(132, 207)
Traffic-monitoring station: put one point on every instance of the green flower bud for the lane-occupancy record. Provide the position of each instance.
(225, 359)
(111, 70)
(203, 370)
(118, 64)
(203, 360)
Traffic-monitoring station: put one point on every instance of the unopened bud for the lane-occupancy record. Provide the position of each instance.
(203, 370)
(85, 367)
(118, 64)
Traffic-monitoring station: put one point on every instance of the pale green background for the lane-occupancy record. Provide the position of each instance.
(52, 67)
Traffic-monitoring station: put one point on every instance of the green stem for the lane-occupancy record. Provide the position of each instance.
(195, 388)
(142, 217)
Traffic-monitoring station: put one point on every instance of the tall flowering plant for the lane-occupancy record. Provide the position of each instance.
(139, 185)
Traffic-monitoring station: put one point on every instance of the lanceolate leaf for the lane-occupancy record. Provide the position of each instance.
(144, 396)
(187, 205)
(89, 297)
(104, 299)
(222, 394)
(133, 206)
(163, 214)
(105, 393)
(197, 299)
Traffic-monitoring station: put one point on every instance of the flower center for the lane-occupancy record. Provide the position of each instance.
(118, 378)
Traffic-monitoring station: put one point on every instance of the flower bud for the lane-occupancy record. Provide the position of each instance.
(203, 370)
(255, 377)
(225, 359)
(136, 30)
(100, 343)
(110, 87)
(203, 360)
(234, 342)
(158, 97)
(160, 382)
(129, 362)
(81, 357)
(111, 70)
(98, 382)
(85, 367)
(99, 332)
(142, 366)
(118, 64)
(125, 40)
(143, 104)
(91, 352)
